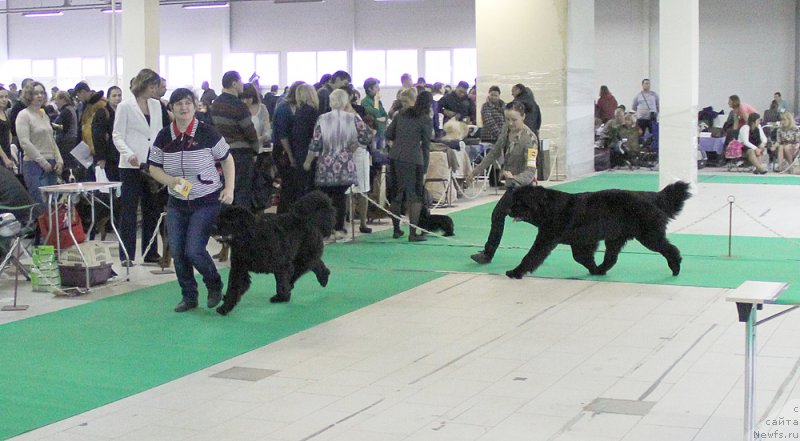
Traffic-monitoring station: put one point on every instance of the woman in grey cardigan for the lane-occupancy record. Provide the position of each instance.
(410, 132)
(520, 147)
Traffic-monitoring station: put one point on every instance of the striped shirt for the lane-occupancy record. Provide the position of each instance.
(190, 154)
(232, 118)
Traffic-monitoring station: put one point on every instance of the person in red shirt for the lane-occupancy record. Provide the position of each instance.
(605, 105)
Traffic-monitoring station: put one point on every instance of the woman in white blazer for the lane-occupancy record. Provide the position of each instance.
(136, 124)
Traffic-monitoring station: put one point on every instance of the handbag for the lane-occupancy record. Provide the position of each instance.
(734, 149)
(334, 169)
(61, 221)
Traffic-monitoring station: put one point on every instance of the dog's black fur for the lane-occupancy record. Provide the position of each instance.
(286, 245)
(436, 222)
(582, 220)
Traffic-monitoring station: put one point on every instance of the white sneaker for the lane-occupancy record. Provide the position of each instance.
(340, 234)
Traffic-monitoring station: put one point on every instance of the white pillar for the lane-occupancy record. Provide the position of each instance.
(548, 46)
(679, 78)
(5, 72)
(141, 42)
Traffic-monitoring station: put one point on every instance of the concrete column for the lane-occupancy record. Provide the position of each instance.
(141, 38)
(678, 82)
(5, 72)
(548, 45)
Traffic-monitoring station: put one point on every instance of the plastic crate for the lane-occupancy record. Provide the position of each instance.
(75, 275)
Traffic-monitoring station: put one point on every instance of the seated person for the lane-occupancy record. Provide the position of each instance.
(14, 194)
(788, 141)
(613, 139)
(772, 115)
(755, 142)
(630, 133)
(454, 134)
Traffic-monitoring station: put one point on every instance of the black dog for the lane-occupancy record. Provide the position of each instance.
(582, 220)
(436, 222)
(286, 245)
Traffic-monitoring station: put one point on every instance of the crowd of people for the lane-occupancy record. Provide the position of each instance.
(760, 142)
(188, 154)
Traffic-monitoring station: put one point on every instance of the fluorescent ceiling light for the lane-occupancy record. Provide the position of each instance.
(108, 10)
(42, 14)
(210, 5)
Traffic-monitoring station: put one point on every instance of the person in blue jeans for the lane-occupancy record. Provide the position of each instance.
(182, 158)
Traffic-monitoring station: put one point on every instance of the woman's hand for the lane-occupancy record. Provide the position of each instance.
(353, 147)
(59, 167)
(9, 164)
(101, 163)
(307, 165)
(47, 167)
(133, 160)
(226, 196)
(507, 174)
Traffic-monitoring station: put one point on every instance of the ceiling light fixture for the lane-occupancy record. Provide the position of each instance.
(210, 5)
(109, 10)
(43, 14)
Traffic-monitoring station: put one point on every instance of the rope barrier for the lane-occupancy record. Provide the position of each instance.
(155, 233)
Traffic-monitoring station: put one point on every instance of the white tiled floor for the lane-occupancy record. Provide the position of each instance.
(480, 357)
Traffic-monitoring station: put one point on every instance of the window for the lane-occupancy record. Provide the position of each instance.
(68, 72)
(94, 67)
(162, 65)
(180, 71)
(42, 68)
(465, 65)
(330, 62)
(399, 62)
(268, 68)
(244, 63)
(301, 66)
(437, 66)
(369, 64)
(202, 68)
(20, 69)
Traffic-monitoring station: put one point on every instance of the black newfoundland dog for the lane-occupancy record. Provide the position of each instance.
(286, 245)
(582, 220)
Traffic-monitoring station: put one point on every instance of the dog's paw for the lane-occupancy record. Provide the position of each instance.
(515, 274)
(448, 234)
(598, 272)
(675, 267)
(278, 299)
(223, 310)
(323, 278)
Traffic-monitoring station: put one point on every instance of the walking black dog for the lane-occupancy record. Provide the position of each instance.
(286, 245)
(582, 220)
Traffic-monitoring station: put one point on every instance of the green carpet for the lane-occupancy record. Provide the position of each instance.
(61, 364)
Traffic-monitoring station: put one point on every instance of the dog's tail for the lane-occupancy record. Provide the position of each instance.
(670, 200)
(316, 207)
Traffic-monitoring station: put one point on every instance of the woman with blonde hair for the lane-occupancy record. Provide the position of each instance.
(337, 135)
(136, 124)
(43, 162)
(788, 141)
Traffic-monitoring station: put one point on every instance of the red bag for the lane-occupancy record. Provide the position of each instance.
(734, 149)
(60, 219)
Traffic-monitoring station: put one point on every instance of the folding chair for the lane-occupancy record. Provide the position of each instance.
(12, 234)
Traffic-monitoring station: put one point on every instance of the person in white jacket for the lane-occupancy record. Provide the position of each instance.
(136, 124)
(755, 143)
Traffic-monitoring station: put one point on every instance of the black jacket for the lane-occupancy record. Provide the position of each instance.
(533, 116)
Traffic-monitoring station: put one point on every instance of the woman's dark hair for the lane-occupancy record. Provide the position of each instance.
(111, 89)
(516, 106)
(291, 97)
(369, 83)
(494, 89)
(753, 120)
(324, 79)
(251, 92)
(604, 91)
(521, 87)
(422, 106)
(144, 79)
(181, 93)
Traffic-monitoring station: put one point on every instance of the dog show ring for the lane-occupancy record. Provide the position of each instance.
(76, 190)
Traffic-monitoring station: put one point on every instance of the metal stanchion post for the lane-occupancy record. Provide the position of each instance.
(731, 199)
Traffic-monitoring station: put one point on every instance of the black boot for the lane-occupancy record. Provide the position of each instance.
(395, 209)
(413, 216)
